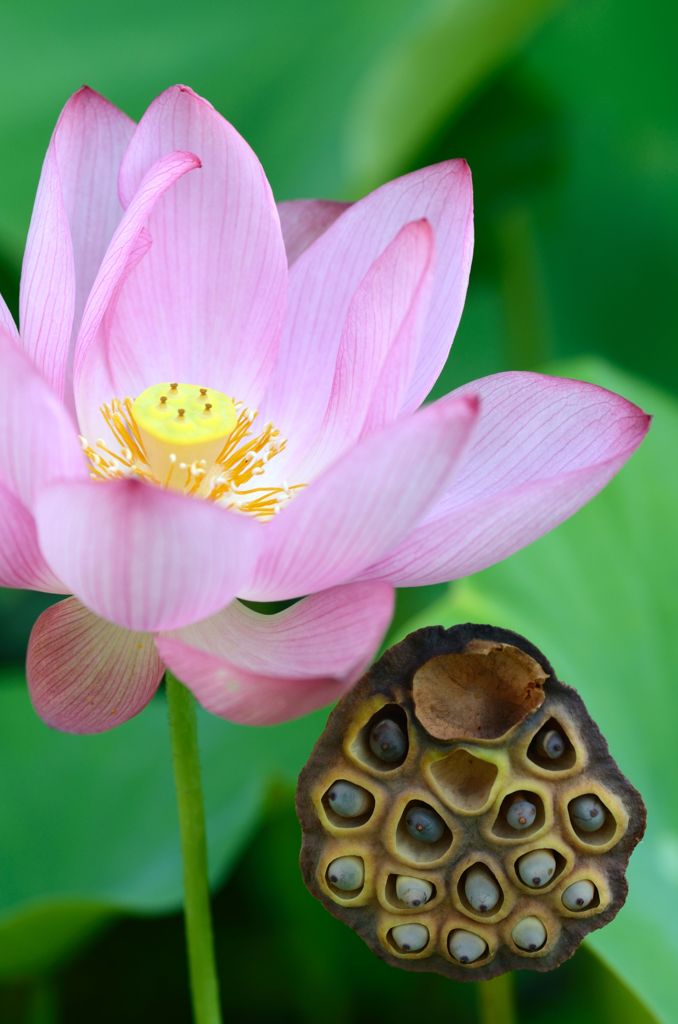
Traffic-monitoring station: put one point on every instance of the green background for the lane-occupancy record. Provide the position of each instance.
(566, 113)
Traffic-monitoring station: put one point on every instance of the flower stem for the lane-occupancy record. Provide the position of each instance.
(497, 1000)
(199, 938)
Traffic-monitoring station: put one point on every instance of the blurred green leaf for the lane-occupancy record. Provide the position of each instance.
(89, 825)
(411, 88)
(598, 596)
(310, 85)
(574, 150)
(39, 937)
(607, 235)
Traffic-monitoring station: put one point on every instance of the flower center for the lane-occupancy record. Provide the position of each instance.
(191, 439)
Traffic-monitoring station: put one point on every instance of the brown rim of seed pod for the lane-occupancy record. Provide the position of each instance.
(461, 810)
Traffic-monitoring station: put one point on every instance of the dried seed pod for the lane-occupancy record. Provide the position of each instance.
(482, 770)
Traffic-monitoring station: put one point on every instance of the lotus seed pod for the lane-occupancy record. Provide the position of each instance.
(346, 873)
(529, 934)
(579, 895)
(537, 869)
(481, 890)
(552, 744)
(387, 741)
(521, 814)
(424, 824)
(410, 937)
(414, 892)
(588, 813)
(464, 742)
(465, 946)
(348, 801)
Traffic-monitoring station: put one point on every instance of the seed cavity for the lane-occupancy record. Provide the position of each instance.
(346, 873)
(537, 869)
(552, 744)
(388, 742)
(383, 742)
(521, 814)
(579, 895)
(481, 890)
(466, 947)
(348, 800)
(551, 748)
(410, 938)
(413, 892)
(424, 824)
(529, 934)
(587, 813)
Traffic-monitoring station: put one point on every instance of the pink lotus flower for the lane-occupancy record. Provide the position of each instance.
(156, 282)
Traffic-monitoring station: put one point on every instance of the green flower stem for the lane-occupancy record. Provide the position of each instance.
(497, 1000)
(199, 938)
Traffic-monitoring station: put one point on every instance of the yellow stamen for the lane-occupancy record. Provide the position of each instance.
(171, 437)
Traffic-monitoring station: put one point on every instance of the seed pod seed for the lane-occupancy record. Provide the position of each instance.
(466, 947)
(347, 800)
(481, 890)
(413, 891)
(588, 813)
(579, 895)
(387, 741)
(346, 873)
(537, 869)
(424, 824)
(552, 744)
(529, 934)
(521, 814)
(410, 938)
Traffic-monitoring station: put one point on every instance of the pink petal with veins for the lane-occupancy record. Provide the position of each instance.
(259, 669)
(363, 504)
(86, 675)
(144, 557)
(205, 305)
(304, 220)
(544, 446)
(76, 211)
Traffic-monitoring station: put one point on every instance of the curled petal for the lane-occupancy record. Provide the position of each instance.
(206, 303)
(259, 669)
(364, 503)
(544, 446)
(86, 675)
(95, 379)
(304, 220)
(76, 210)
(144, 557)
